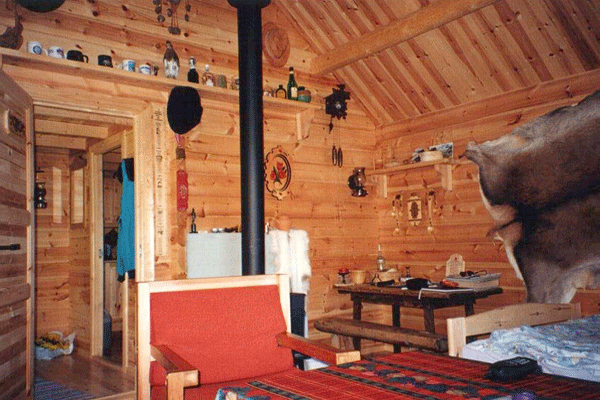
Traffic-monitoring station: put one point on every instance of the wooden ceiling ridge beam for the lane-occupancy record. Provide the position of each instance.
(423, 20)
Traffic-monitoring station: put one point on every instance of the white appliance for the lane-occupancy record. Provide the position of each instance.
(219, 254)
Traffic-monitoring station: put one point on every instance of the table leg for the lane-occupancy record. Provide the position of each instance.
(356, 314)
(469, 308)
(429, 318)
(396, 323)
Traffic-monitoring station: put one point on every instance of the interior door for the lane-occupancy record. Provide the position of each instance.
(16, 241)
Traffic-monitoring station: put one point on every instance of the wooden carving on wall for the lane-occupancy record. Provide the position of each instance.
(276, 44)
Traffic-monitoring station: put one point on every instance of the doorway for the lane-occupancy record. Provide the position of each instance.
(110, 294)
(97, 375)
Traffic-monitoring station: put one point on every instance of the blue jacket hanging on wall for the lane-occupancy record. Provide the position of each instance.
(126, 240)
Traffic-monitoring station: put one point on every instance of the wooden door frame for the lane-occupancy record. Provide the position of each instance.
(137, 144)
(95, 156)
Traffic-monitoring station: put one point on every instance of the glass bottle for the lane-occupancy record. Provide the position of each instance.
(380, 259)
(280, 92)
(208, 78)
(192, 75)
(292, 86)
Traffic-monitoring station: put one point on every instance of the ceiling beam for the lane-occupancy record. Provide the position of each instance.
(63, 142)
(423, 20)
(70, 129)
(84, 117)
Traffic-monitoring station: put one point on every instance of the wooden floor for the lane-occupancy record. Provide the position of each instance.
(96, 376)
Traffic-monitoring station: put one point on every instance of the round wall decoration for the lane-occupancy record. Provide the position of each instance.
(276, 44)
(278, 172)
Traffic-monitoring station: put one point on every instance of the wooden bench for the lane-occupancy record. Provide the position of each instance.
(384, 333)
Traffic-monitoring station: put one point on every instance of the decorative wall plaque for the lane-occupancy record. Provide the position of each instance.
(414, 209)
(278, 172)
(276, 44)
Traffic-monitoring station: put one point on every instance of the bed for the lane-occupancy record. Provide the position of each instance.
(554, 335)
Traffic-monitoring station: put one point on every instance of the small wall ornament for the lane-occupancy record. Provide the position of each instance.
(414, 209)
(278, 172)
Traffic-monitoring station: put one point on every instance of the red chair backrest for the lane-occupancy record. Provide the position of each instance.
(228, 334)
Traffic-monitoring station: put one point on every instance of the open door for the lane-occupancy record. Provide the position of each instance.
(16, 241)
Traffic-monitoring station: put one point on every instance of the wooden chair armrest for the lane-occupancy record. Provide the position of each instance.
(322, 352)
(180, 373)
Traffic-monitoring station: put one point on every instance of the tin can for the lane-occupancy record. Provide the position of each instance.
(222, 81)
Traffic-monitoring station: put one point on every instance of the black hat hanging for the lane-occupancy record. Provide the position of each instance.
(41, 6)
(184, 110)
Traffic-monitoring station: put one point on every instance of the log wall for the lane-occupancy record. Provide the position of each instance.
(344, 231)
(459, 222)
(52, 244)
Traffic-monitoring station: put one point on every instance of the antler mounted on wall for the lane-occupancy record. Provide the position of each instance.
(172, 6)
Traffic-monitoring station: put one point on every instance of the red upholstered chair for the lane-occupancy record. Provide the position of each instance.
(203, 334)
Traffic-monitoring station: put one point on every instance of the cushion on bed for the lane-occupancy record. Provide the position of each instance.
(228, 334)
(569, 349)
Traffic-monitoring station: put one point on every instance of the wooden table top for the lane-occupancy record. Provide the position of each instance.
(401, 292)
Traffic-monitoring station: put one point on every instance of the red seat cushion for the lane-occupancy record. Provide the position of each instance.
(228, 334)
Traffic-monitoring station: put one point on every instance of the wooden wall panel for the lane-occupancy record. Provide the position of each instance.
(79, 286)
(52, 245)
(342, 229)
(459, 223)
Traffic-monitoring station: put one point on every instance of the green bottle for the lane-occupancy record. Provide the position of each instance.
(292, 86)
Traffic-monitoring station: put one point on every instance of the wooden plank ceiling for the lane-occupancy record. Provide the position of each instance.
(504, 46)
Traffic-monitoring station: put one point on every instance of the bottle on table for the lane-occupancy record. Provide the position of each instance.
(380, 259)
(292, 86)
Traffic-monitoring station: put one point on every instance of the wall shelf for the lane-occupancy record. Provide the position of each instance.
(303, 112)
(442, 167)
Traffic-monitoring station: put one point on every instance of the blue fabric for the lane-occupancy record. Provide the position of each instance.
(126, 241)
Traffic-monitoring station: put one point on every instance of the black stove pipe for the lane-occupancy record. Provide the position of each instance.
(251, 134)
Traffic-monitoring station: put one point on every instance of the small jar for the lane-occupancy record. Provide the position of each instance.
(304, 94)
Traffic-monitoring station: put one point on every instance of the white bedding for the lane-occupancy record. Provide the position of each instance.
(568, 349)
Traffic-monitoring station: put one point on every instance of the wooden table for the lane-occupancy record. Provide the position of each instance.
(398, 297)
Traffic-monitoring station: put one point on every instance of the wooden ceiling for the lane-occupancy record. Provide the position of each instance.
(504, 46)
(413, 56)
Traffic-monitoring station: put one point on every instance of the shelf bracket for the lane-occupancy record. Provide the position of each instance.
(303, 120)
(445, 172)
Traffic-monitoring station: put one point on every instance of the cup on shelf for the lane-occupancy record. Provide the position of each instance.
(35, 47)
(145, 69)
(56, 52)
(105, 60)
(77, 55)
(127, 65)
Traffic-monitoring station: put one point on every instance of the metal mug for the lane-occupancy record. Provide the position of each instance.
(105, 60)
(77, 55)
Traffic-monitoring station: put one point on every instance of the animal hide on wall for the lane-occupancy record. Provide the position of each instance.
(541, 184)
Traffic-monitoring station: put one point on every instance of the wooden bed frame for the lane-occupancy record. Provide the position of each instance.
(506, 317)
